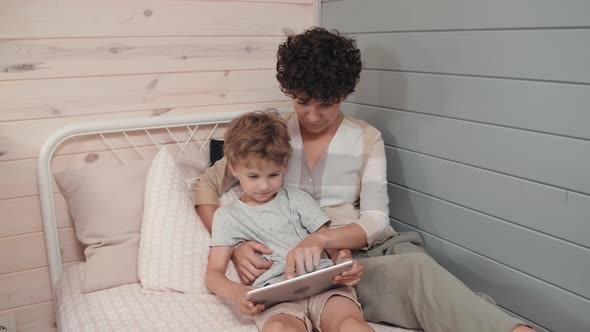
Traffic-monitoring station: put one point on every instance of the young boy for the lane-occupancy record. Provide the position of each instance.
(257, 149)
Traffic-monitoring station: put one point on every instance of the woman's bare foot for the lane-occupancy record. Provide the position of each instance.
(522, 328)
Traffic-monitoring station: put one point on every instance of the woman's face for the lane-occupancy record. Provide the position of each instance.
(316, 117)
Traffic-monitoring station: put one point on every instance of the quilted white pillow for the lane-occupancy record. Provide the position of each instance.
(174, 244)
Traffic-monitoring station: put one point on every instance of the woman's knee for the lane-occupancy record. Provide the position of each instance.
(421, 261)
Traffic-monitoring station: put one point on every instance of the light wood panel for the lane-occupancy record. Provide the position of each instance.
(70, 61)
(28, 251)
(531, 298)
(541, 106)
(37, 329)
(23, 181)
(396, 15)
(24, 288)
(50, 58)
(558, 161)
(15, 146)
(40, 130)
(72, 18)
(269, 1)
(514, 54)
(531, 252)
(52, 98)
(23, 215)
(23, 291)
(544, 208)
(33, 317)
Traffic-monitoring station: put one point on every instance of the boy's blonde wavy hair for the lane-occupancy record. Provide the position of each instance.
(260, 134)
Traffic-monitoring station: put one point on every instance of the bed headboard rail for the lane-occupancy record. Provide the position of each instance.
(44, 172)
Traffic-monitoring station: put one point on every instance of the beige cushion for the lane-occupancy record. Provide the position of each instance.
(106, 204)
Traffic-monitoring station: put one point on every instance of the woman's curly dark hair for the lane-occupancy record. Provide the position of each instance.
(318, 64)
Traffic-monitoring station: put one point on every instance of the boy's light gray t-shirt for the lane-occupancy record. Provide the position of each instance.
(280, 224)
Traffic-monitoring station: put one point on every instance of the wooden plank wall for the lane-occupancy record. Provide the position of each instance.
(485, 110)
(68, 61)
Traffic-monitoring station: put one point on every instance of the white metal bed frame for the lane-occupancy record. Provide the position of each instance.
(44, 172)
(45, 176)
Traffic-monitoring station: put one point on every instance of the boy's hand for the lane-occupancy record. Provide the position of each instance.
(352, 276)
(305, 256)
(248, 308)
(248, 264)
(342, 256)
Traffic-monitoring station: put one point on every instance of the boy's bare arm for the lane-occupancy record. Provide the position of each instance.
(220, 285)
(216, 280)
(206, 191)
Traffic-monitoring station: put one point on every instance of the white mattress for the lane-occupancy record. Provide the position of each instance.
(126, 308)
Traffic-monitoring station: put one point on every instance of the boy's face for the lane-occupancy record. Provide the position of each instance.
(316, 117)
(260, 179)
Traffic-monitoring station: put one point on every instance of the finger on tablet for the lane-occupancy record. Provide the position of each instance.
(290, 268)
(299, 263)
(316, 258)
(308, 261)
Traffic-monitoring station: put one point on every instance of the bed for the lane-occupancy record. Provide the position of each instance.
(163, 300)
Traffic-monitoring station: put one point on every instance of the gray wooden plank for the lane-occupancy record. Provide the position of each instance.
(556, 261)
(537, 327)
(538, 301)
(544, 208)
(554, 160)
(541, 106)
(556, 55)
(396, 15)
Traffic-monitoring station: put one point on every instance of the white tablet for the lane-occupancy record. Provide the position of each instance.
(300, 287)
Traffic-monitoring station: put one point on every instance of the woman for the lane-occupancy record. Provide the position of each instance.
(340, 161)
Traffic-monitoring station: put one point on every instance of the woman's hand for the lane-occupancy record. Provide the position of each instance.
(305, 256)
(352, 276)
(248, 263)
(248, 308)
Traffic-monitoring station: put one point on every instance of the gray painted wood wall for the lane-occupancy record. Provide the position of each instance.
(484, 107)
